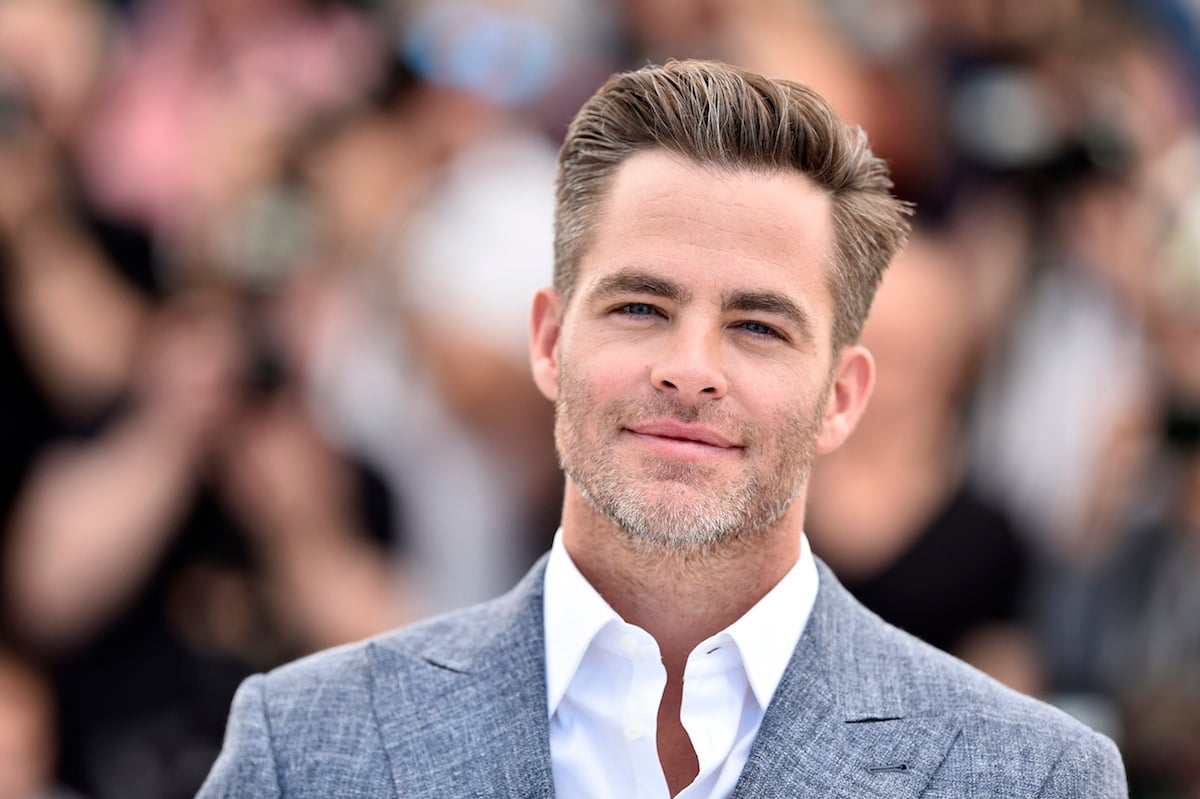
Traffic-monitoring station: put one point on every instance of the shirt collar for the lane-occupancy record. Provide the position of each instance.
(766, 635)
(574, 614)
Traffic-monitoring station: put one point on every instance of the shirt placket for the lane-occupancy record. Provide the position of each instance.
(714, 697)
(639, 714)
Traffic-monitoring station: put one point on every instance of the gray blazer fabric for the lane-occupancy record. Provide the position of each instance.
(456, 707)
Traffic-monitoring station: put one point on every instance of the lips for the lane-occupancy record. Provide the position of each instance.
(684, 431)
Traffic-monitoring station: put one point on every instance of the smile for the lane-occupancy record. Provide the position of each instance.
(682, 439)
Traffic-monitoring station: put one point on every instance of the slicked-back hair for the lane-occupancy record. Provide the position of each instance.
(717, 115)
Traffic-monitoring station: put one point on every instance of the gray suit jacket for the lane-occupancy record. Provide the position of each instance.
(456, 707)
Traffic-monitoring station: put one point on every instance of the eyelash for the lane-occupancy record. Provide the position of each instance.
(626, 309)
(766, 332)
(756, 329)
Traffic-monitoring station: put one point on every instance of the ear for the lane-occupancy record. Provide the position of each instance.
(545, 325)
(849, 390)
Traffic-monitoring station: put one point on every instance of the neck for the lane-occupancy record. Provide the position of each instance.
(679, 596)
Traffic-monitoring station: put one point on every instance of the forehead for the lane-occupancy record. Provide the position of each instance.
(712, 225)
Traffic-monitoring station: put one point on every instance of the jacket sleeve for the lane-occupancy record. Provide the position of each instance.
(1091, 768)
(245, 769)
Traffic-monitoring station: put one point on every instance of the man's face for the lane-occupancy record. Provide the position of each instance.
(692, 366)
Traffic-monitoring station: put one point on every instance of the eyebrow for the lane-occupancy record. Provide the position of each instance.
(635, 281)
(773, 303)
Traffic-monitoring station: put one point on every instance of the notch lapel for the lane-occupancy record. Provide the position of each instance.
(462, 709)
(841, 723)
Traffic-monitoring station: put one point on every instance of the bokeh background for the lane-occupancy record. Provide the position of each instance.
(265, 271)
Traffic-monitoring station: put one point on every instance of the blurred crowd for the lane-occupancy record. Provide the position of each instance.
(266, 267)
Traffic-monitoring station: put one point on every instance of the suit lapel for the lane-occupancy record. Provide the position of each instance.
(463, 712)
(839, 725)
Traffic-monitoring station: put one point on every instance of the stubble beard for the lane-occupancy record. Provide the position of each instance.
(676, 506)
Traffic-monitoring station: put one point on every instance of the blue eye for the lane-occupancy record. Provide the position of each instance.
(759, 329)
(638, 309)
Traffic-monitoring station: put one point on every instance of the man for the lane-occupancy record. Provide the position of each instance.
(718, 239)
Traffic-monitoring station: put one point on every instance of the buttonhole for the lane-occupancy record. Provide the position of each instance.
(896, 767)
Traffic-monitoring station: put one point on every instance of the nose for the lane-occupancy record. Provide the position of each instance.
(690, 364)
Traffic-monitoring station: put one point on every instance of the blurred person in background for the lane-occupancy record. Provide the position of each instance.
(202, 531)
(1142, 629)
(439, 188)
(893, 511)
(203, 96)
(173, 517)
(1147, 605)
(1093, 131)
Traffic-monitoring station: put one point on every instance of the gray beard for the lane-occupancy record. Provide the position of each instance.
(700, 524)
(707, 523)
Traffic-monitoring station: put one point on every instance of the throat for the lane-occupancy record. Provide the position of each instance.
(675, 751)
(680, 598)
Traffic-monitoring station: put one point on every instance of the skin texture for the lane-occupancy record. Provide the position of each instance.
(694, 380)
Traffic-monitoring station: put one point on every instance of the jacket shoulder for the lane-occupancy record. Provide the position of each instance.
(341, 676)
(938, 683)
(317, 726)
(1006, 742)
(1010, 743)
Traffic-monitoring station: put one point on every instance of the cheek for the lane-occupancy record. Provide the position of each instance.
(776, 390)
(787, 413)
(605, 367)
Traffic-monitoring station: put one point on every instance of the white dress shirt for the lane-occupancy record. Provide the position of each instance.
(605, 679)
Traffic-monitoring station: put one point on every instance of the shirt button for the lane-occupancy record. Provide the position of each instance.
(628, 645)
(633, 730)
